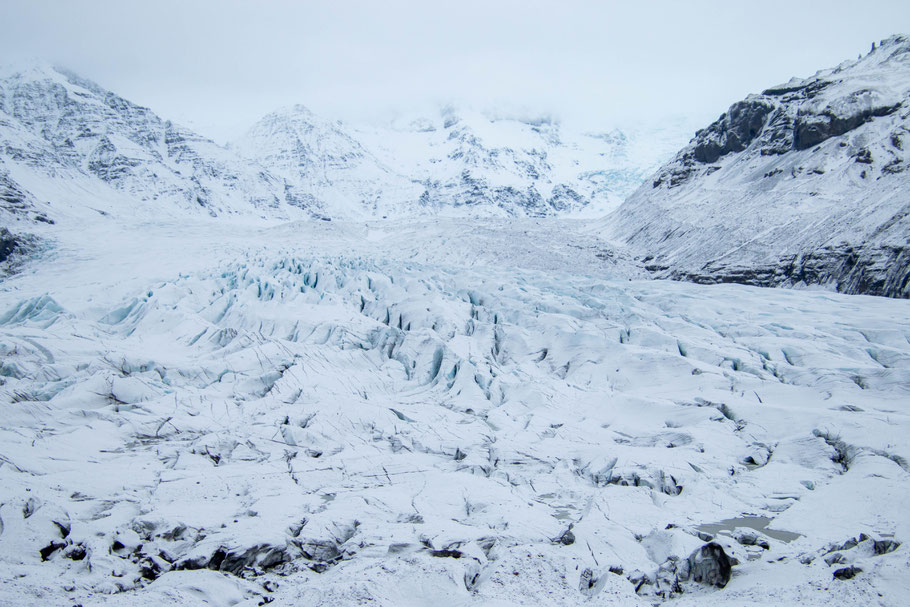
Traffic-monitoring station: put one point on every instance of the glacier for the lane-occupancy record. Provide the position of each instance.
(307, 413)
(802, 184)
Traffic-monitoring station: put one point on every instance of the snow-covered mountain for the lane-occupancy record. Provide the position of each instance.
(69, 145)
(456, 162)
(805, 183)
(67, 139)
(330, 167)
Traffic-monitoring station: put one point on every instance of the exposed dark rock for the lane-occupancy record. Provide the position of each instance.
(885, 546)
(447, 553)
(851, 543)
(51, 548)
(864, 156)
(192, 564)
(13, 199)
(471, 579)
(8, 244)
(894, 167)
(835, 558)
(567, 538)
(710, 565)
(847, 572)
(802, 90)
(675, 176)
(705, 537)
(883, 271)
(665, 483)
(76, 552)
(733, 131)
(64, 528)
(149, 569)
(810, 130)
(750, 538)
(261, 557)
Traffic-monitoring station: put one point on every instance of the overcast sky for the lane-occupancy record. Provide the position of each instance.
(218, 65)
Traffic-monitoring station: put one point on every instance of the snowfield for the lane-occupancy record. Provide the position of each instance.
(329, 413)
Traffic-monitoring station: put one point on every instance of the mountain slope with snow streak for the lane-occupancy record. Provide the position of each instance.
(803, 184)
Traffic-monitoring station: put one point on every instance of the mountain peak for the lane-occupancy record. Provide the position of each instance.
(31, 69)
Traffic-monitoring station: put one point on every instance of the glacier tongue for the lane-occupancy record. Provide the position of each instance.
(335, 414)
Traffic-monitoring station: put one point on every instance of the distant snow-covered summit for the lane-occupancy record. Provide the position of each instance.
(455, 163)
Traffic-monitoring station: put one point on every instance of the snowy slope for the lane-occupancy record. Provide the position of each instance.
(201, 413)
(456, 163)
(805, 183)
(66, 141)
(329, 166)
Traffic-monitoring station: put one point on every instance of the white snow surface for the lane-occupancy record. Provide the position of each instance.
(336, 411)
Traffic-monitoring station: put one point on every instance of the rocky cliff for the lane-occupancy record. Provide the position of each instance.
(803, 184)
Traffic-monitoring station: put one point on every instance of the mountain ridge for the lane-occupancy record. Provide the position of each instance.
(457, 162)
(59, 130)
(57, 127)
(799, 185)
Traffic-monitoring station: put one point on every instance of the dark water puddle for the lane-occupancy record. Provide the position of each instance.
(758, 523)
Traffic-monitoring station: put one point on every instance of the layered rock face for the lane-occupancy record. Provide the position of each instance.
(804, 183)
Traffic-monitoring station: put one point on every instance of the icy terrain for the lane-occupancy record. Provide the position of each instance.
(209, 413)
(805, 183)
(208, 396)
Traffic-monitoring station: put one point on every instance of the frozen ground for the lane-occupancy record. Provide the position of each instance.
(343, 414)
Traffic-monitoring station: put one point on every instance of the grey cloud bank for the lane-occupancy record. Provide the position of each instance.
(218, 66)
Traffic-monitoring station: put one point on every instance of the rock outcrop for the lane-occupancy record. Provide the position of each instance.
(803, 184)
